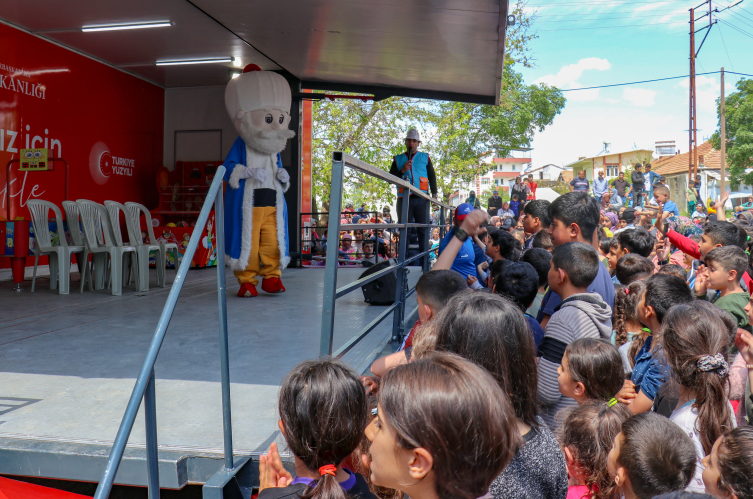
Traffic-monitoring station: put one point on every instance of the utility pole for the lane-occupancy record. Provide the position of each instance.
(691, 95)
(693, 125)
(723, 119)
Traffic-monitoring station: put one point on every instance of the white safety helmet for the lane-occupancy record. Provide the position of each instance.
(413, 134)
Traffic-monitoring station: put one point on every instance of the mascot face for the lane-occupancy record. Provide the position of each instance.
(269, 119)
(259, 102)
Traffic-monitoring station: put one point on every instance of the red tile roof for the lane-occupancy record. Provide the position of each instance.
(708, 157)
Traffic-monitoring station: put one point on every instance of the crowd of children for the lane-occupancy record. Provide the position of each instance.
(565, 365)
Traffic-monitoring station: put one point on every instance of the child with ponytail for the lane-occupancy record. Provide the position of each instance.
(586, 438)
(696, 339)
(629, 334)
(323, 415)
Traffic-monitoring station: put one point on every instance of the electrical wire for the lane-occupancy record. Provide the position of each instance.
(612, 12)
(651, 81)
(567, 4)
(617, 26)
(736, 28)
(741, 19)
(725, 48)
(748, 16)
(577, 19)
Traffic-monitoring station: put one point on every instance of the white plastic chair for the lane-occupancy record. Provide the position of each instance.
(77, 237)
(142, 250)
(134, 214)
(96, 223)
(59, 254)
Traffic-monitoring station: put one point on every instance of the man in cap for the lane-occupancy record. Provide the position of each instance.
(415, 167)
(256, 216)
(464, 262)
(494, 204)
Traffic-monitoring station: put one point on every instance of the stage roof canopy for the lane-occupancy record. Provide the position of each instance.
(440, 49)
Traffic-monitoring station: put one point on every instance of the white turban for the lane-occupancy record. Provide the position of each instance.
(256, 89)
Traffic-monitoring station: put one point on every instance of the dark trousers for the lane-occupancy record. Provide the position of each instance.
(637, 198)
(418, 212)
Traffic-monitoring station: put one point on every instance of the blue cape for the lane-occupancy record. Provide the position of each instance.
(234, 204)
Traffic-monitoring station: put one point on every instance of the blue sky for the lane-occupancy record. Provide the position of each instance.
(582, 43)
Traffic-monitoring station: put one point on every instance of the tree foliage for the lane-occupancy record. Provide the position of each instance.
(739, 123)
(456, 135)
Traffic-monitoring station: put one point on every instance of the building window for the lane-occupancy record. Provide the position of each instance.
(496, 181)
(484, 181)
(612, 170)
(513, 167)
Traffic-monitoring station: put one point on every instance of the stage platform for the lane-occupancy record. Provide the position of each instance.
(68, 364)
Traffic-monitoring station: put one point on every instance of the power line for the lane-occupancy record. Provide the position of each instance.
(741, 19)
(617, 26)
(563, 4)
(651, 81)
(612, 12)
(725, 48)
(736, 28)
(575, 19)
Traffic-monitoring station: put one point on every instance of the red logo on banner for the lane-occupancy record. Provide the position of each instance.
(105, 164)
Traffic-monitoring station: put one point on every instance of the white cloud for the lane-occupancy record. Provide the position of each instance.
(568, 75)
(708, 89)
(639, 97)
(567, 78)
(650, 6)
(582, 128)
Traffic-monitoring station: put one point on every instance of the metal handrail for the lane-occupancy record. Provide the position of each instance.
(145, 383)
(339, 161)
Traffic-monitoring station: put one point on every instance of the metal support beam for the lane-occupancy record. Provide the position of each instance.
(150, 423)
(333, 247)
(397, 318)
(227, 424)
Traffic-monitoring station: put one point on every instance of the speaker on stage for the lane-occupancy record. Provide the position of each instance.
(379, 291)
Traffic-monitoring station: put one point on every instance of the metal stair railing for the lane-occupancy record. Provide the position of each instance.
(145, 388)
(339, 161)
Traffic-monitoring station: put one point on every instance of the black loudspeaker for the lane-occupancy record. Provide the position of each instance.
(379, 291)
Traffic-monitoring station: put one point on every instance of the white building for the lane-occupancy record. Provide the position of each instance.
(547, 172)
(500, 174)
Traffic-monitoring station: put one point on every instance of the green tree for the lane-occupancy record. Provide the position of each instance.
(456, 135)
(739, 123)
(468, 132)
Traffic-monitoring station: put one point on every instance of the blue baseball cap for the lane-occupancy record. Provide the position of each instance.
(462, 210)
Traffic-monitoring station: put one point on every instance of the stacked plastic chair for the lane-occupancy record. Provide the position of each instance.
(135, 210)
(142, 250)
(101, 243)
(57, 250)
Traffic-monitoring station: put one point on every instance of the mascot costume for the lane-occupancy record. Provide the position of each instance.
(256, 216)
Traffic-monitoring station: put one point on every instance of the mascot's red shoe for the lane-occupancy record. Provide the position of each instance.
(247, 290)
(272, 285)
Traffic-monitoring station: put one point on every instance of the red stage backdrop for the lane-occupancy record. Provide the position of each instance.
(107, 124)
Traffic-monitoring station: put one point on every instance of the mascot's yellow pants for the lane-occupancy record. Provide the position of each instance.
(264, 259)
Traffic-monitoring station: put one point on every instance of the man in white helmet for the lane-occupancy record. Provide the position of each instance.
(256, 216)
(415, 167)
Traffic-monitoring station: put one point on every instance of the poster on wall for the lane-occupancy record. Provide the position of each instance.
(106, 124)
